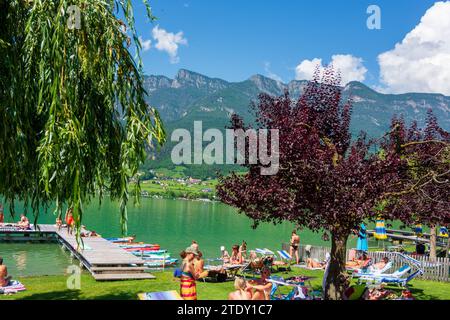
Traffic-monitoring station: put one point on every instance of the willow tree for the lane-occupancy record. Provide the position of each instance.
(74, 122)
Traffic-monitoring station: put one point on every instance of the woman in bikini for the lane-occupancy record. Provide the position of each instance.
(236, 256)
(199, 266)
(293, 249)
(261, 287)
(69, 220)
(188, 287)
(242, 292)
(243, 249)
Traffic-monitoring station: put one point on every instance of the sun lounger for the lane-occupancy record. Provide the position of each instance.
(372, 271)
(265, 252)
(299, 290)
(285, 260)
(378, 278)
(231, 270)
(163, 295)
(403, 282)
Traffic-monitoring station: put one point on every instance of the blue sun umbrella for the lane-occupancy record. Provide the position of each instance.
(418, 230)
(443, 232)
(380, 230)
(362, 245)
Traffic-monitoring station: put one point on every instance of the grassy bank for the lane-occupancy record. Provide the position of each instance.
(55, 288)
(170, 188)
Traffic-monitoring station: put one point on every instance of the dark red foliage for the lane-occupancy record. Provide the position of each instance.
(325, 182)
(425, 176)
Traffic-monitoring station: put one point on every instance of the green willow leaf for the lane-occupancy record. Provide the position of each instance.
(74, 123)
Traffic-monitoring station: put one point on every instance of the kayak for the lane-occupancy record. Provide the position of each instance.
(142, 249)
(138, 246)
(157, 264)
(156, 257)
(115, 240)
(147, 253)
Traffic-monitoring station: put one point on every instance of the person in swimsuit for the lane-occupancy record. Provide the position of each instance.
(243, 249)
(261, 287)
(236, 256)
(225, 255)
(69, 220)
(314, 264)
(293, 249)
(199, 265)
(4, 278)
(23, 223)
(242, 292)
(2, 215)
(188, 287)
(58, 223)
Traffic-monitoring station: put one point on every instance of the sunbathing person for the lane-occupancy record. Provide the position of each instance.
(4, 278)
(377, 293)
(199, 265)
(225, 255)
(314, 264)
(242, 292)
(236, 256)
(23, 223)
(380, 265)
(360, 263)
(261, 287)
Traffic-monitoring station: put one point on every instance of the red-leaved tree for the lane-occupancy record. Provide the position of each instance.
(425, 177)
(325, 181)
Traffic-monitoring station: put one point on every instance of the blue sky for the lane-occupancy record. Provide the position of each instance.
(233, 39)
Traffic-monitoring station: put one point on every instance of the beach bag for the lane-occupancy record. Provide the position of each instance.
(177, 273)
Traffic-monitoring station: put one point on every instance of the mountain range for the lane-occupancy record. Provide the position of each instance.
(191, 96)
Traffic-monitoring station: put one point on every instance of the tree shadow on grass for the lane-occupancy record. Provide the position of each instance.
(78, 295)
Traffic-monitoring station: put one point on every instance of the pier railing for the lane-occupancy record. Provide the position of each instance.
(438, 270)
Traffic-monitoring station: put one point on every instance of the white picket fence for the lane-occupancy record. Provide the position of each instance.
(436, 271)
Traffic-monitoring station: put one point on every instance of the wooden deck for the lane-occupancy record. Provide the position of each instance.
(103, 259)
(412, 238)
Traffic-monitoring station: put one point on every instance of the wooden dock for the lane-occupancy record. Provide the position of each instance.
(404, 236)
(103, 259)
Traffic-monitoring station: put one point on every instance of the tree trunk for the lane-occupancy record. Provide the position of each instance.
(448, 247)
(333, 285)
(433, 239)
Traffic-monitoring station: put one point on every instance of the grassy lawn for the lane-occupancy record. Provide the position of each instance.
(54, 287)
(175, 189)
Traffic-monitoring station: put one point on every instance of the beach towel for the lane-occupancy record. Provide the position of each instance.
(13, 287)
(188, 288)
(362, 244)
(163, 295)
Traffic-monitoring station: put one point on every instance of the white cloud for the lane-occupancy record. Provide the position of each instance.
(351, 68)
(421, 62)
(169, 42)
(145, 44)
(305, 70)
(270, 74)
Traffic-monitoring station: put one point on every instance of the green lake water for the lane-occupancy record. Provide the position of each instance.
(171, 223)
